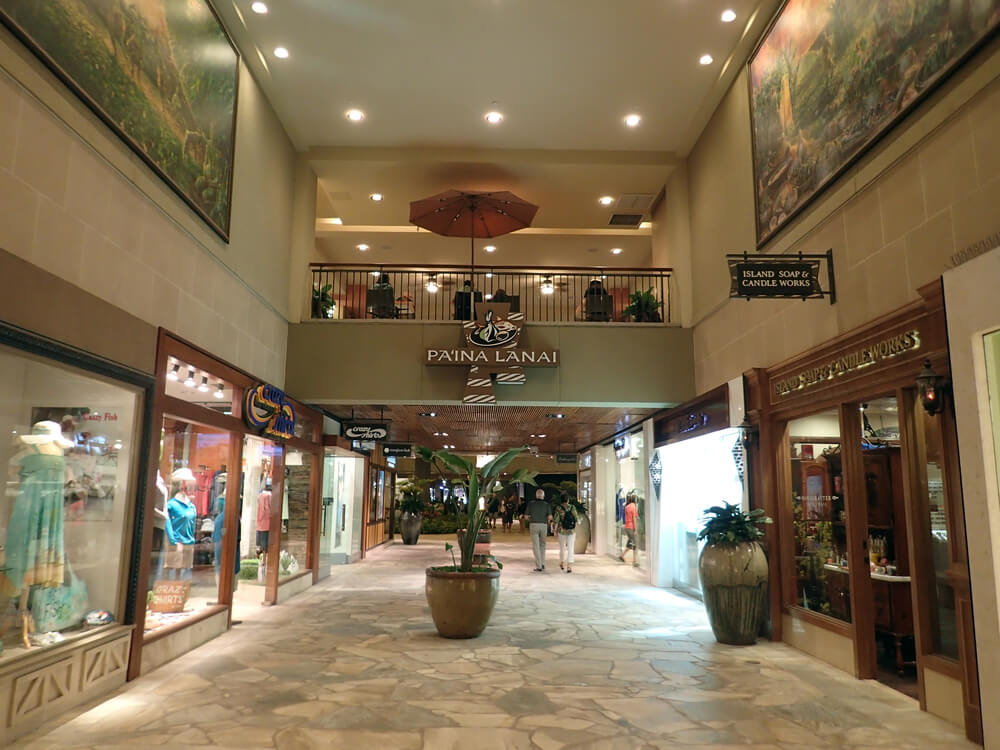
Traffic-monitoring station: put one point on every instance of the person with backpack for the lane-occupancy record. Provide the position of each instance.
(565, 519)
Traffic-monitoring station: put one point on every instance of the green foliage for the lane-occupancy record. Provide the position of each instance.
(447, 524)
(643, 307)
(322, 301)
(414, 495)
(474, 480)
(728, 525)
(248, 569)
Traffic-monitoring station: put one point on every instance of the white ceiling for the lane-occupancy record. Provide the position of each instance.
(563, 72)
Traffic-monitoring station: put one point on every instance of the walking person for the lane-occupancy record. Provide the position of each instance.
(565, 518)
(631, 523)
(508, 514)
(539, 513)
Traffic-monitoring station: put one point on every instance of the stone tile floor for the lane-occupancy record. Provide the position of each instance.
(596, 660)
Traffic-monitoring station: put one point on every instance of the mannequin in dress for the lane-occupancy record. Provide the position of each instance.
(180, 526)
(35, 555)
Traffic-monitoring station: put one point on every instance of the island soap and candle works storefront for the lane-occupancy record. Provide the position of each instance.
(859, 468)
(232, 511)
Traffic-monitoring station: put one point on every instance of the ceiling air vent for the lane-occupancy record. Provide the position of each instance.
(625, 220)
(634, 203)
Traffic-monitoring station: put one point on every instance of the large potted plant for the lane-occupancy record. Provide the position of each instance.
(733, 570)
(462, 595)
(412, 504)
(643, 307)
(323, 304)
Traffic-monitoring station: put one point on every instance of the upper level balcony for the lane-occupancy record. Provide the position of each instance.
(433, 293)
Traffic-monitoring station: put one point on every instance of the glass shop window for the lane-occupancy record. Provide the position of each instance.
(188, 522)
(197, 386)
(939, 508)
(257, 505)
(819, 517)
(69, 451)
(293, 557)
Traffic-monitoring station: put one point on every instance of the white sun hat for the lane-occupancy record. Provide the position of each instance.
(46, 432)
(182, 475)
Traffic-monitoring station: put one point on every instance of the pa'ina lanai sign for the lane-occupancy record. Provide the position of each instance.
(491, 351)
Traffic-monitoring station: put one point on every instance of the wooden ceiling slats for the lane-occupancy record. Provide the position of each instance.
(491, 428)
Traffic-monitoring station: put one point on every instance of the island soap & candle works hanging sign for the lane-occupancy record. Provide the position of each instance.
(780, 276)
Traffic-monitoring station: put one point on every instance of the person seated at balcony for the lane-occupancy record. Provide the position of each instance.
(463, 301)
(597, 302)
(500, 295)
(381, 303)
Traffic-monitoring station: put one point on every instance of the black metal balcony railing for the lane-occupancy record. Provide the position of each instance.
(544, 295)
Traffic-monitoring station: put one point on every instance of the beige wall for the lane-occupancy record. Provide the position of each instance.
(893, 220)
(383, 362)
(971, 301)
(78, 204)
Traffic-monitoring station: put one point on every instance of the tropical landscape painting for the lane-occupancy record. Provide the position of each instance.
(831, 75)
(162, 73)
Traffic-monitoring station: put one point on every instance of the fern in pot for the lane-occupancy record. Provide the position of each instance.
(733, 570)
(412, 503)
(643, 307)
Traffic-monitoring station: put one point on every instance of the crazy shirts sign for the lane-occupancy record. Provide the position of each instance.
(365, 431)
(491, 352)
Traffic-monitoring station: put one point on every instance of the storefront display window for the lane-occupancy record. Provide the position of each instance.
(256, 512)
(697, 473)
(340, 520)
(70, 465)
(293, 556)
(820, 528)
(628, 476)
(188, 522)
(938, 504)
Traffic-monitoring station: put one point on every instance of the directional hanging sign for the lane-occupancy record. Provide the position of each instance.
(780, 276)
(365, 431)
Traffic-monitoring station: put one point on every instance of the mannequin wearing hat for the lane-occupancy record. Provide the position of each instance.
(35, 555)
(180, 526)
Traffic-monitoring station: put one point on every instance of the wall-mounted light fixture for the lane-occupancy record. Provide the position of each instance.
(432, 284)
(219, 392)
(172, 375)
(748, 432)
(547, 286)
(189, 381)
(929, 384)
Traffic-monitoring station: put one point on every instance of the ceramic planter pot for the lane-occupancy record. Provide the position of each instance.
(734, 584)
(409, 527)
(461, 603)
(582, 538)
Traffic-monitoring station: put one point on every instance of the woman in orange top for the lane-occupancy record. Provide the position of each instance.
(631, 522)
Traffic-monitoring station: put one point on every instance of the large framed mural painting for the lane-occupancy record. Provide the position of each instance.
(162, 74)
(831, 76)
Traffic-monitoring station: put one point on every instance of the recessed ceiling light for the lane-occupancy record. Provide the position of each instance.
(490, 248)
(555, 416)
(376, 197)
(541, 435)
(336, 220)
(645, 225)
(259, 8)
(362, 247)
(494, 117)
(280, 52)
(426, 413)
(616, 251)
(728, 16)
(605, 200)
(706, 59)
(632, 120)
(354, 115)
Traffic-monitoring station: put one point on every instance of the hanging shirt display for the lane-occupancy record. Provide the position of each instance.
(203, 493)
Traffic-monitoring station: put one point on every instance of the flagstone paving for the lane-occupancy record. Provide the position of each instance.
(596, 660)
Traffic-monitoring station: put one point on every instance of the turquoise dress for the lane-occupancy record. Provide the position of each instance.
(35, 555)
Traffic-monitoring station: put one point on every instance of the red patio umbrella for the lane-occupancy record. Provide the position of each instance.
(471, 213)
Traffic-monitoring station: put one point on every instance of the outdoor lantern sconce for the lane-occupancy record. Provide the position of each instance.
(929, 384)
(748, 432)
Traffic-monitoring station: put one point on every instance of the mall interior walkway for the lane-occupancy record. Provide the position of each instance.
(596, 660)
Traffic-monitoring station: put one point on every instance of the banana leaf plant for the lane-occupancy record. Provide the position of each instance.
(476, 482)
